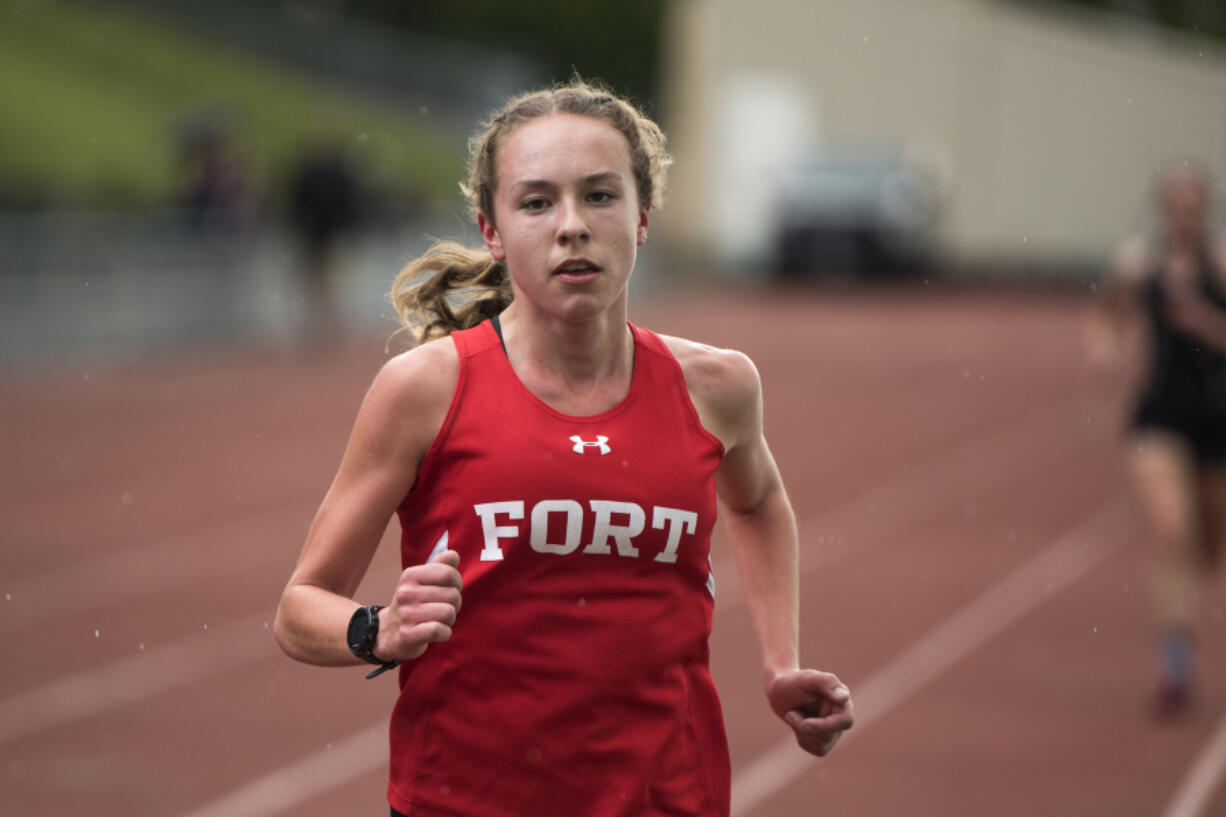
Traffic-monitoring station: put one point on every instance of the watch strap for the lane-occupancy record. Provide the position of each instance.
(362, 642)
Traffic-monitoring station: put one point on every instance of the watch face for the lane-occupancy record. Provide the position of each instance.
(359, 628)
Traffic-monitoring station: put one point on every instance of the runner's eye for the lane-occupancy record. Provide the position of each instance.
(600, 197)
(534, 203)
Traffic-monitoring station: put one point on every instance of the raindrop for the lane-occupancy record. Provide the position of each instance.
(328, 746)
(141, 646)
(1095, 631)
(126, 498)
(8, 596)
(583, 602)
(206, 626)
(423, 110)
(265, 625)
(97, 634)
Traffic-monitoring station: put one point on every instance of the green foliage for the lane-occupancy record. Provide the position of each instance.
(1206, 17)
(92, 98)
(617, 41)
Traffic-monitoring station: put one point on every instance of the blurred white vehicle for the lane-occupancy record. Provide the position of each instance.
(840, 218)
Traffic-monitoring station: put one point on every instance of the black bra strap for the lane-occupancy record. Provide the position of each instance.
(498, 331)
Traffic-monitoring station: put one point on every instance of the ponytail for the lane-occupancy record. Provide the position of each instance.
(449, 288)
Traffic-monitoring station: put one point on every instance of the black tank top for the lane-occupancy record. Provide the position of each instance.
(1185, 372)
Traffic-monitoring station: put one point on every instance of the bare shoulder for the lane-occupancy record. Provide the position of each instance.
(424, 373)
(1219, 259)
(409, 398)
(723, 384)
(1130, 261)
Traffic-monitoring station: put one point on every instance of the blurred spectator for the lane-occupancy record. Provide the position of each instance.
(324, 205)
(1174, 284)
(214, 184)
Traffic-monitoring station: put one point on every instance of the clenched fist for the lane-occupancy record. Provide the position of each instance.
(423, 608)
(815, 704)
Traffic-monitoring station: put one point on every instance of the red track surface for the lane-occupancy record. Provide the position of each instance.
(973, 569)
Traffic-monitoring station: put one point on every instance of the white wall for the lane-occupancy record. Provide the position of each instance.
(1044, 125)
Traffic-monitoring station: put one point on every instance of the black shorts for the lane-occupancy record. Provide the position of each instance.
(1203, 430)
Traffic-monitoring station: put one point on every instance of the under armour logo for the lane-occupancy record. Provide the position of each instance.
(602, 443)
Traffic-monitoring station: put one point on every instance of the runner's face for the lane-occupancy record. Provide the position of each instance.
(1185, 207)
(567, 214)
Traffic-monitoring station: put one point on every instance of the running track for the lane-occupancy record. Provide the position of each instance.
(972, 568)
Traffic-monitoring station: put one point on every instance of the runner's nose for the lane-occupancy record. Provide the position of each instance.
(571, 225)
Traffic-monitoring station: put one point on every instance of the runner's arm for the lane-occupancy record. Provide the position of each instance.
(395, 426)
(762, 530)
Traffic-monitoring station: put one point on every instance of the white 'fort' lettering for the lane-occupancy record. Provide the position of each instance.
(493, 531)
(623, 535)
(540, 525)
(631, 522)
(675, 520)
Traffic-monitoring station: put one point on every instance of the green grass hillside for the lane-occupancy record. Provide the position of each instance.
(89, 99)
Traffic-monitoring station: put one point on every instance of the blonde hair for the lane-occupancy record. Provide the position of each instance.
(454, 287)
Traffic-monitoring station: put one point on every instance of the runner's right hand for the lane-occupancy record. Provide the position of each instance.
(423, 609)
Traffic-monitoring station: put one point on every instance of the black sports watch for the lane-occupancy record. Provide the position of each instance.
(363, 629)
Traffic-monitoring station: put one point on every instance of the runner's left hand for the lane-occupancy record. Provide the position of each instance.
(816, 705)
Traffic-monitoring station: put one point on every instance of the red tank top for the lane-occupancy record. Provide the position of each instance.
(576, 681)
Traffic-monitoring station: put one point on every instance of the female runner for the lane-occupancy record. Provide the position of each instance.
(1176, 283)
(555, 470)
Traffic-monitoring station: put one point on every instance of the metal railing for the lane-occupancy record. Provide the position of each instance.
(76, 284)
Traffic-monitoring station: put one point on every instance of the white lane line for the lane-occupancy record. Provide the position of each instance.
(132, 679)
(176, 561)
(1196, 790)
(924, 492)
(298, 782)
(1053, 569)
(935, 487)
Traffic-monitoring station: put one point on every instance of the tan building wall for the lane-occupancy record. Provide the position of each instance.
(1043, 126)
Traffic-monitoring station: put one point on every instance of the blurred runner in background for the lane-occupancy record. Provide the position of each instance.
(1173, 283)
